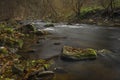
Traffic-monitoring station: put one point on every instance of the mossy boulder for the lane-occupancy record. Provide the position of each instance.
(49, 25)
(78, 53)
(29, 28)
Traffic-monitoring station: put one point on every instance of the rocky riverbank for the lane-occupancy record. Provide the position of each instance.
(13, 37)
(100, 17)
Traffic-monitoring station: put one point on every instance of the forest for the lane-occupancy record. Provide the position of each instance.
(59, 10)
(59, 39)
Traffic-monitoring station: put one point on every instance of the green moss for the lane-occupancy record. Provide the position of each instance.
(46, 66)
(9, 30)
(19, 42)
(77, 53)
(87, 53)
(3, 50)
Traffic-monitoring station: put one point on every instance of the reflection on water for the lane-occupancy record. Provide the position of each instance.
(101, 69)
(105, 67)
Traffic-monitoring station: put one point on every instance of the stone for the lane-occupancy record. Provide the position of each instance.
(57, 43)
(29, 28)
(44, 75)
(49, 25)
(59, 70)
(31, 50)
(104, 51)
(70, 53)
(91, 20)
(41, 32)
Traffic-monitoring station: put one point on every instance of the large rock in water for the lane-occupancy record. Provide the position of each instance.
(49, 25)
(28, 28)
(78, 53)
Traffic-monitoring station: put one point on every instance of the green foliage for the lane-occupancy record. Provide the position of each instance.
(9, 37)
(3, 50)
(9, 30)
(1, 78)
(46, 66)
(48, 9)
(6, 29)
(86, 53)
(19, 42)
(88, 11)
(17, 67)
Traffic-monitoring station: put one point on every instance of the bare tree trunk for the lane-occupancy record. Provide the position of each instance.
(109, 6)
(76, 7)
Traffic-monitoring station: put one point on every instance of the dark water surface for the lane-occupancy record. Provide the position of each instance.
(105, 67)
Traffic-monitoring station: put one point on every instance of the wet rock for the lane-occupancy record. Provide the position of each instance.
(69, 23)
(44, 75)
(59, 70)
(70, 53)
(49, 25)
(42, 38)
(31, 51)
(57, 43)
(38, 42)
(41, 32)
(29, 28)
(99, 23)
(104, 51)
(91, 20)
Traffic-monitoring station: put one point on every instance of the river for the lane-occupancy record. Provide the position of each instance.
(105, 67)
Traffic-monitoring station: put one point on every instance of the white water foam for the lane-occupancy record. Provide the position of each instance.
(49, 29)
(70, 26)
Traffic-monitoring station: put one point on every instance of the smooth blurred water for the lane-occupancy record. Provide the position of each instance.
(105, 67)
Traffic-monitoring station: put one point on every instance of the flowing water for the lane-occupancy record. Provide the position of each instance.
(105, 67)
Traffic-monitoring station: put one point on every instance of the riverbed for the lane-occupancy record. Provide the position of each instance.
(105, 67)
